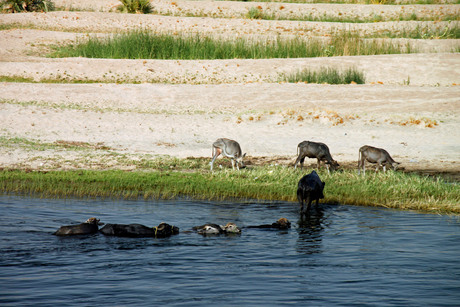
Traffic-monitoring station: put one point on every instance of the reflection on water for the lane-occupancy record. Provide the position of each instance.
(340, 255)
(310, 231)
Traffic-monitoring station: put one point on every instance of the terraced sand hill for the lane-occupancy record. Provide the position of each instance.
(410, 103)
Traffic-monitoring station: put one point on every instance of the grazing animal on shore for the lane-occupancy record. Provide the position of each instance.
(320, 151)
(375, 155)
(137, 230)
(228, 148)
(282, 223)
(206, 229)
(310, 188)
(86, 228)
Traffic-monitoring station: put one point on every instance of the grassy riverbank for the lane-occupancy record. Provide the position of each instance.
(392, 190)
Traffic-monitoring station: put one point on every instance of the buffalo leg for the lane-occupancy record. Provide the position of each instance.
(308, 201)
(300, 198)
(306, 204)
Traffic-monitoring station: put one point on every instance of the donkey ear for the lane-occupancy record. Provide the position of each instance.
(244, 155)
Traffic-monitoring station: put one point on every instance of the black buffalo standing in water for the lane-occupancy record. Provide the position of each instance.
(310, 188)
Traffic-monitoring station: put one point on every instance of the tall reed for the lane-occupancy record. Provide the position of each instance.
(145, 45)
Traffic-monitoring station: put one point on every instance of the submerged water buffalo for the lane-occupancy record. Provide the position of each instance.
(86, 228)
(320, 151)
(228, 148)
(282, 223)
(215, 229)
(137, 230)
(375, 155)
(310, 188)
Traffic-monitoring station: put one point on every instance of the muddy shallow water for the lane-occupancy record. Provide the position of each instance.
(343, 255)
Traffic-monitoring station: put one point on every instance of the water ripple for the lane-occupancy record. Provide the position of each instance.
(341, 255)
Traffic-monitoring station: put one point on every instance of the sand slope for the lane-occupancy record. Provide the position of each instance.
(410, 104)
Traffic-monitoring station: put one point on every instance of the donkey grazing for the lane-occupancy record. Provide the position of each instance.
(375, 155)
(228, 148)
(319, 151)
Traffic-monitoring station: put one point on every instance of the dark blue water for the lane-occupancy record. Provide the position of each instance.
(343, 256)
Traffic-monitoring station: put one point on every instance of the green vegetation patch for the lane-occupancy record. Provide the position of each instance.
(382, 2)
(69, 79)
(135, 6)
(450, 31)
(17, 6)
(268, 14)
(146, 45)
(327, 75)
(31, 144)
(391, 189)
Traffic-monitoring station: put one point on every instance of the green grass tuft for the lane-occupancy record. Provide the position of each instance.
(325, 75)
(135, 6)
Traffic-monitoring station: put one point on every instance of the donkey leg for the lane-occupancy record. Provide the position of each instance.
(301, 162)
(218, 151)
(297, 161)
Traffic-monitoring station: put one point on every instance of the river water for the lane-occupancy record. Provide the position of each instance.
(342, 256)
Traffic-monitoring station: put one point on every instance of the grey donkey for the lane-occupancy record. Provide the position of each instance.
(228, 148)
(375, 155)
